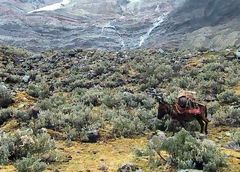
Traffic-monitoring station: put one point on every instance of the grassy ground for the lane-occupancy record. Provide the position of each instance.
(110, 155)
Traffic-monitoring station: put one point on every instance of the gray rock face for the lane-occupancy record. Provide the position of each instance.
(113, 25)
(119, 24)
(207, 23)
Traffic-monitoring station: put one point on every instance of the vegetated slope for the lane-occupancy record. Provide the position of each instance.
(87, 95)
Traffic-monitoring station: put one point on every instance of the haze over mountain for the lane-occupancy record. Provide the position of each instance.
(119, 24)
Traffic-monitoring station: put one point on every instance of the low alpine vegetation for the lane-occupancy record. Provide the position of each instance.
(184, 152)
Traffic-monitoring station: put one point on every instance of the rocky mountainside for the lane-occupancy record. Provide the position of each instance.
(118, 24)
(207, 23)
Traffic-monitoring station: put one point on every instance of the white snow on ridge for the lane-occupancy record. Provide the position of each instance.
(52, 7)
(154, 25)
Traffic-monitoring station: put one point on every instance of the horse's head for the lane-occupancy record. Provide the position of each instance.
(163, 107)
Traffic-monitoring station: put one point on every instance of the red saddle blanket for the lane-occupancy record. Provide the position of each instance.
(193, 111)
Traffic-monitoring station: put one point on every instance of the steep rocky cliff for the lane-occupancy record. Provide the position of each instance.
(206, 23)
(119, 24)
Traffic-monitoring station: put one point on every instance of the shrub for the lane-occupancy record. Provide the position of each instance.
(228, 97)
(23, 143)
(186, 82)
(213, 107)
(227, 116)
(5, 114)
(92, 97)
(236, 138)
(235, 141)
(210, 87)
(187, 152)
(232, 79)
(6, 145)
(5, 97)
(38, 91)
(30, 164)
(125, 123)
(127, 127)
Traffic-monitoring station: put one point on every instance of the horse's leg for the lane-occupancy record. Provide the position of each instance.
(205, 119)
(200, 121)
(182, 124)
(206, 126)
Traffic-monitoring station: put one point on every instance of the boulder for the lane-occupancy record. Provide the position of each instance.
(92, 136)
(129, 168)
(190, 170)
(210, 98)
(158, 138)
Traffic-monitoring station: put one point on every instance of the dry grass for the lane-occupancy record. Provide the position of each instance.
(237, 89)
(23, 100)
(94, 157)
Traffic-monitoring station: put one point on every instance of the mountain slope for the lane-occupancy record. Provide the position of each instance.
(206, 23)
(119, 24)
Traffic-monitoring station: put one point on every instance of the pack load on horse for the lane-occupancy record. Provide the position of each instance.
(187, 103)
(185, 109)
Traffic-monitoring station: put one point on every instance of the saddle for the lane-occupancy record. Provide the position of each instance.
(187, 105)
(192, 111)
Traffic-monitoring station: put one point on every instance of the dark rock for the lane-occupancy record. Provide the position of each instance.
(210, 98)
(72, 53)
(91, 136)
(47, 158)
(129, 168)
(203, 49)
(190, 170)
(34, 112)
(67, 158)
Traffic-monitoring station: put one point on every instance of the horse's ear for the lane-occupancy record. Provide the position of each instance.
(159, 99)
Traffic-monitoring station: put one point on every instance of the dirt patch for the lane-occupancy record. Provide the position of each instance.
(96, 157)
(237, 89)
(23, 100)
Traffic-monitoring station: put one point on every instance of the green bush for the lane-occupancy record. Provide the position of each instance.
(235, 141)
(30, 164)
(187, 152)
(23, 143)
(236, 138)
(227, 116)
(5, 97)
(228, 97)
(6, 146)
(5, 114)
(38, 91)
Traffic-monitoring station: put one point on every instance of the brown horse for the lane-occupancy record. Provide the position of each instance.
(171, 109)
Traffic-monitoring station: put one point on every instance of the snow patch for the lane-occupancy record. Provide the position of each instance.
(52, 7)
(157, 23)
